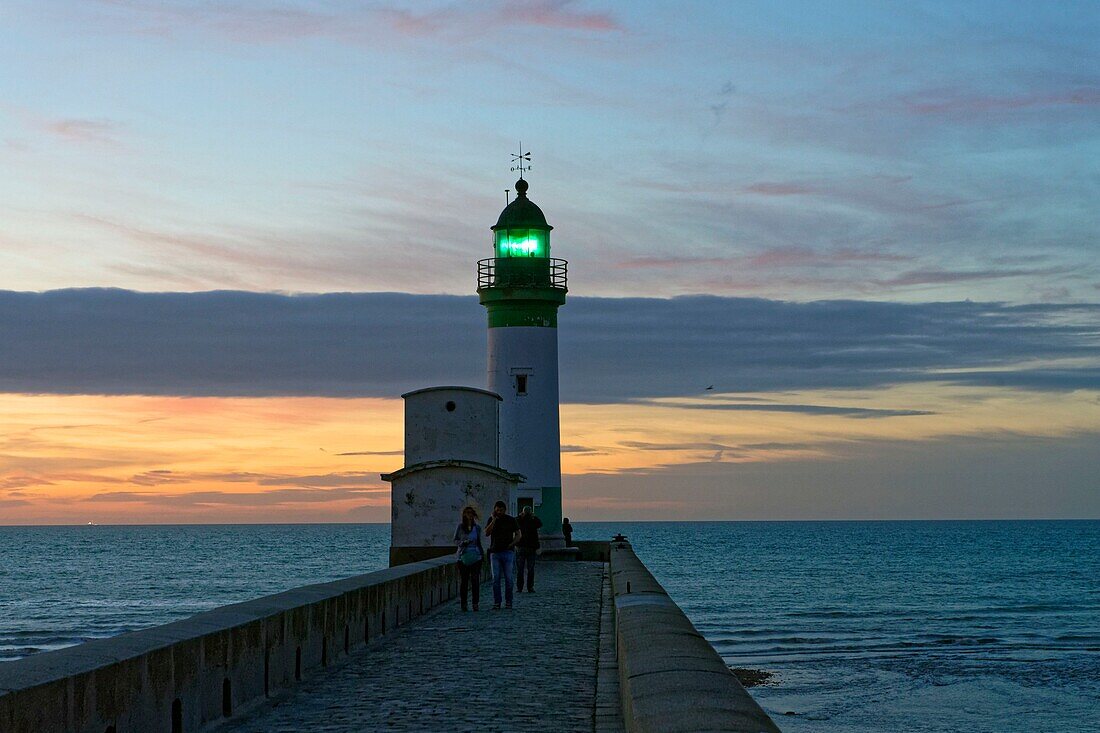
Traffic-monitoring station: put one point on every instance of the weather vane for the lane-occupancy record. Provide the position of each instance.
(519, 161)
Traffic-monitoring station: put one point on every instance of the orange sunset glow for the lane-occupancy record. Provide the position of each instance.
(78, 459)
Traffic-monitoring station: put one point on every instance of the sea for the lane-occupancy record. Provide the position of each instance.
(863, 626)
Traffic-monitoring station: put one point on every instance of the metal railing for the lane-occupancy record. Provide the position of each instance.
(522, 272)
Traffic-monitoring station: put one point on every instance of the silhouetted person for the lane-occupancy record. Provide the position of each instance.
(527, 548)
(567, 530)
(471, 553)
(504, 532)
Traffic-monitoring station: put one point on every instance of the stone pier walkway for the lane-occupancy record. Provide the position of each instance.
(455, 671)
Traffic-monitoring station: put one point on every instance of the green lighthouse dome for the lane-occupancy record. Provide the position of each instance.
(521, 230)
(522, 213)
(521, 284)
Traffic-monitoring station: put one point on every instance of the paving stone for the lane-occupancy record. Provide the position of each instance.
(533, 667)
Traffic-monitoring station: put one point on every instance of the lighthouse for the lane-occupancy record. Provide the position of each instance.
(522, 287)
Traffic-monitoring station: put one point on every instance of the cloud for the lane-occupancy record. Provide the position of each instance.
(957, 477)
(229, 343)
(619, 504)
(272, 497)
(160, 477)
(719, 107)
(642, 445)
(82, 478)
(78, 130)
(1032, 379)
(22, 482)
(342, 478)
(957, 103)
(720, 450)
(557, 14)
(776, 445)
(253, 251)
(674, 261)
(857, 412)
(351, 23)
(768, 258)
(807, 257)
(779, 189)
(939, 276)
(81, 130)
(263, 23)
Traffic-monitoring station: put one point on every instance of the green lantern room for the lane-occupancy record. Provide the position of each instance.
(521, 246)
(521, 230)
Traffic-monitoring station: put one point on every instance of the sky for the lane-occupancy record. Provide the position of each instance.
(233, 232)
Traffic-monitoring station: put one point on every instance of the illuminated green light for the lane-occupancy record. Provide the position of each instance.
(521, 243)
(526, 247)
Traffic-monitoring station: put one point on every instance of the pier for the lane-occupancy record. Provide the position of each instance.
(599, 648)
(531, 668)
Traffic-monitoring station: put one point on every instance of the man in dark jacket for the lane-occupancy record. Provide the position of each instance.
(505, 534)
(527, 548)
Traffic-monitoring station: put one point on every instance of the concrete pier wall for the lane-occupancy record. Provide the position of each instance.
(591, 550)
(185, 676)
(671, 680)
(191, 675)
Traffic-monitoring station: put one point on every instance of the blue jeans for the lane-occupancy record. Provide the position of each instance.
(504, 566)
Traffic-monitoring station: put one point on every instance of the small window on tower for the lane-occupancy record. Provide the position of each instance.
(521, 384)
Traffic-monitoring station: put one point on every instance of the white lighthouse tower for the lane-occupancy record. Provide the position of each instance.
(522, 287)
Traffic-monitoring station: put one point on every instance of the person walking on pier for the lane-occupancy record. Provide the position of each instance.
(471, 553)
(504, 532)
(567, 530)
(527, 548)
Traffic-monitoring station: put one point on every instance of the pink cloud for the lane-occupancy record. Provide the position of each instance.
(777, 257)
(79, 130)
(557, 14)
(355, 24)
(765, 188)
(253, 24)
(245, 248)
(660, 262)
(794, 256)
(953, 103)
(410, 24)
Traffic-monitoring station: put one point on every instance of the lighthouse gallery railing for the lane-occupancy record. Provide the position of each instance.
(522, 272)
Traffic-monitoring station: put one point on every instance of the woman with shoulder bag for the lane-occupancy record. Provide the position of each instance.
(470, 555)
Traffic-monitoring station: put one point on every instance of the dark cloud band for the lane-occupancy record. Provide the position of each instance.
(228, 343)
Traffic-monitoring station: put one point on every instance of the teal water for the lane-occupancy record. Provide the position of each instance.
(868, 626)
(896, 626)
(60, 586)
